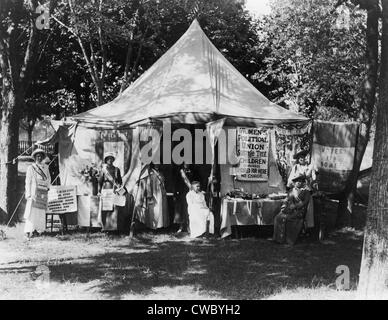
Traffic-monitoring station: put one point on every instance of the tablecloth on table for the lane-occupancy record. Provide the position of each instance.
(247, 212)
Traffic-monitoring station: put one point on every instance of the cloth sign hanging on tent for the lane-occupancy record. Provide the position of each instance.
(333, 153)
(252, 150)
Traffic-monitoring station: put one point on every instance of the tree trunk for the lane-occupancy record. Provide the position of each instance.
(373, 282)
(100, 92)
(16, 76)
(124, 84)
(345, 207)
(9, 139)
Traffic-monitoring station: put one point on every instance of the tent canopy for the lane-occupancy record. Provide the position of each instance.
(191, 83)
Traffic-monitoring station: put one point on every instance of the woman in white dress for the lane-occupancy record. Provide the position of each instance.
(199, 213)
(38, 181)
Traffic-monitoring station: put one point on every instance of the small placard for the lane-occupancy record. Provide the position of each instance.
(62, 199)
(107, 199)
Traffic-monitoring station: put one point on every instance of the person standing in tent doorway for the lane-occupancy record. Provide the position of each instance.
(199, 213)
(38, 181)
(151, 203)
(186, 176)
(110, 187)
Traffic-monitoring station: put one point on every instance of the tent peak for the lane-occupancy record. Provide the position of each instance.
(195, 24)
(191, 82)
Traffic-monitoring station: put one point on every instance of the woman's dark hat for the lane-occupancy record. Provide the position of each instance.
(300, 154)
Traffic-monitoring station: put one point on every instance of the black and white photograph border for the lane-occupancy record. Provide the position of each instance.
(207, 151)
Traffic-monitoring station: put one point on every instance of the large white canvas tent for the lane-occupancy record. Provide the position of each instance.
(192, 84)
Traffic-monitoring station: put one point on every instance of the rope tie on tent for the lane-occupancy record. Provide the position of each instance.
(2, 233)
(13, 161)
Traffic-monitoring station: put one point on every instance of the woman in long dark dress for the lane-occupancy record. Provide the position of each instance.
(288, 223)
(109, 179)
(151, 202)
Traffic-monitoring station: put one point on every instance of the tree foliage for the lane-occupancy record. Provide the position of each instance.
(116, 41)
(310, 63)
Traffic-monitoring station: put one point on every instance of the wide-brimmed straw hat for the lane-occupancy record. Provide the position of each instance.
(37, 151)
(109, 155)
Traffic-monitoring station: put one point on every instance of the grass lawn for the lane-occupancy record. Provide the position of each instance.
(163, 266)
(159, 265)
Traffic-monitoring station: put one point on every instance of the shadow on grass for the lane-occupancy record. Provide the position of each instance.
(231, 269)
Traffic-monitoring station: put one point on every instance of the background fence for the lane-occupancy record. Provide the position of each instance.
(24, 145)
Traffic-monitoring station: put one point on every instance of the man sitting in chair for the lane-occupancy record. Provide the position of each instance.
(199, 213)
(289, 222)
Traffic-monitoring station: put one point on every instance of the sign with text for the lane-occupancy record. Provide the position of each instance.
(252, 151)
(333, 158)
(62, 199)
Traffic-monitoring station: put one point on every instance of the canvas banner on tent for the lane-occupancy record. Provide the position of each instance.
(333, 153)
(252, 150)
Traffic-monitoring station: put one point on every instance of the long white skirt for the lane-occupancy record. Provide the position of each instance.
(35, 218)
(198, 218)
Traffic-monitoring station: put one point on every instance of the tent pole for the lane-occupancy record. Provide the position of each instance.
(132, 226)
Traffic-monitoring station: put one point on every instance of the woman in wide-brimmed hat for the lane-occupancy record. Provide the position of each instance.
(110, 179)
(301, 167)
(38, 181)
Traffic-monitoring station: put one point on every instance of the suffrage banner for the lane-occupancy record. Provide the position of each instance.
(62, 199)
(333, 153)
(40, 201)
(252, 151)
